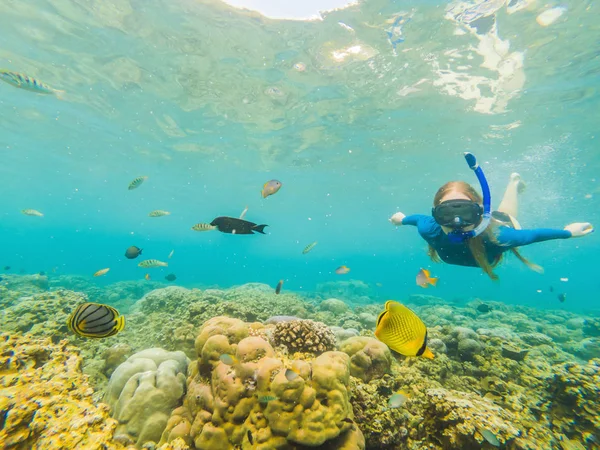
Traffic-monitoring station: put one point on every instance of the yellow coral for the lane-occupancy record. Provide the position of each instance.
(46, 401)
(252, 404)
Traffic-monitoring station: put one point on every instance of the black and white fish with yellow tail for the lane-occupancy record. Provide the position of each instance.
(232, 225)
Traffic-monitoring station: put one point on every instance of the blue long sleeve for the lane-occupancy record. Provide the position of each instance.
(510, 237)
(427, 226)
(414, 219)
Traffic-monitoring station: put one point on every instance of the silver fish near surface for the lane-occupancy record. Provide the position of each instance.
(32, 212)
(309, 247)
(159, 213)
(26, 82)
(150, 263)
(136, 182)
(203, 227)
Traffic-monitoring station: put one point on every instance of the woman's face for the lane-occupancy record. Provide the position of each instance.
(455, 195)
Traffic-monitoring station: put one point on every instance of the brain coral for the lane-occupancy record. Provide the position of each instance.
(143, 391)
(253, 401)
(304, 336)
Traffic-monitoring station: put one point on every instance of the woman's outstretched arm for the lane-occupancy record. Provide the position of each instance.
(517, 238)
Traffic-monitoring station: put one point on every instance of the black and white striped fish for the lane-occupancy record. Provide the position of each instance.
(26, 82)
(95, 320)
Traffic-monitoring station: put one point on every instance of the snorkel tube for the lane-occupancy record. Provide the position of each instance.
(460, 236)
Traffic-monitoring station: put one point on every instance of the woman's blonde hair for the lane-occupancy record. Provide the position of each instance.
(475, 244)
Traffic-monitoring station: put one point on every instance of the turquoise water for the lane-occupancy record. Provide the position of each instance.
(205, 101)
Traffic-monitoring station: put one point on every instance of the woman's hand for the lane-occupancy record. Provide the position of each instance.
(579, 229)
(396, 219)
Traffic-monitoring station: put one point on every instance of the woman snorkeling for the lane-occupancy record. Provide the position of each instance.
(464, 231)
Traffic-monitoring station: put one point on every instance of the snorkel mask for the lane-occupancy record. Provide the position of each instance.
(459, 214)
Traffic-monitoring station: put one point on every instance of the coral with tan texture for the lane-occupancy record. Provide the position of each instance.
(304, 336)
(251, 404)
(45, 400)
(369, 357)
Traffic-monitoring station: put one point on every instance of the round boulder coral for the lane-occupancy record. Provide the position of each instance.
(334, 305)
(369, 358)
(304, 336)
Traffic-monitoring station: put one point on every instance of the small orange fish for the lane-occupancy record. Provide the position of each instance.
(424, 279)
(342, 270)
(147, 277)
(270, 188)
(101, 272)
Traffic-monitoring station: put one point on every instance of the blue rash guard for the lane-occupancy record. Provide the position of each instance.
(459, 254)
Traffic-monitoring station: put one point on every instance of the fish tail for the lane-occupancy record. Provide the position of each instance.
(428, 354)
(59, 94)
(259, 228)
(433, 281)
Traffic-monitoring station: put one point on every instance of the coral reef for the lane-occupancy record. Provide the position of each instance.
(304, 336)
(45, 400)
(43, 314)
(334, 305)
(525, 377)
(252, 403)
(26, 284)
(142, 393)
(356, 291)
(369, 358)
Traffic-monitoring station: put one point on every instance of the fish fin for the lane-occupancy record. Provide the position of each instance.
(120, 323)
(428, 353)
(426, 272)
(433, 281)
(389, 304)
(379, 319)
(259, 228)
(59, 94)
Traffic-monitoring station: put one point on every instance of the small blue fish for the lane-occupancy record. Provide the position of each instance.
(25, 82)
(395, 33)
(398, 399)
(291, 375)
(489, 436)
(229, 360)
